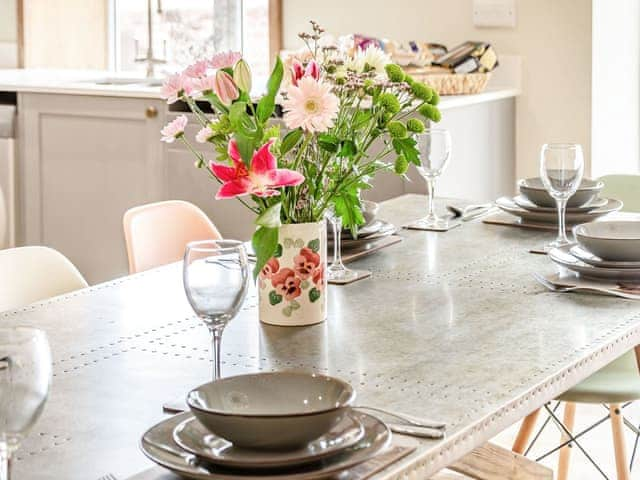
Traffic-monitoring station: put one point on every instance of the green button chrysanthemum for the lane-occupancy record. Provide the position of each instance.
(397, 129)
(409, 80)
(431, 112)
(389, 102)
(422, 91)
(415, 125)
(401, 165)
(435, 98)
(394, 72)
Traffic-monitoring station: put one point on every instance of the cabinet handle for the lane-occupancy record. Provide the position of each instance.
(151, 112)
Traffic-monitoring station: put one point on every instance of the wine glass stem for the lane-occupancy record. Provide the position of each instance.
(216, 340)
(337, 234)
(5, 463)
(431, 188)
(562, 207)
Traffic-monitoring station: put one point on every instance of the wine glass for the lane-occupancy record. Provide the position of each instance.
(337, 270)
(25, 377)
(216, 277)
(435, 151)
(561, 169)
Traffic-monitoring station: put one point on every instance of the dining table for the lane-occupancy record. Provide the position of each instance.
(450, 325)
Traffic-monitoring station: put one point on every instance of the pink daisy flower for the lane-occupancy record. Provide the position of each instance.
(224, 59)
(310, 105)
(197, 70)
(202, 85)
(204, 134)
(174, 87)
(174, 129)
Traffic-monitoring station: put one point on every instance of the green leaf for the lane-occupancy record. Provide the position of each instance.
(294, 305)
(278, 252)
(290, 140)
(348, 149)
(270, 218)
(264, 242)
(215, 102)
(314, 244)
(236, 112)
(246, 147)
(286, 311)
(328, 142)
(305, 284)
(407, 147)
(314, 294)
(347, 205)
(273, 84)
(274, 298)
(266, 106)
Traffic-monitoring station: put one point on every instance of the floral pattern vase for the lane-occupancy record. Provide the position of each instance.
(292, 285)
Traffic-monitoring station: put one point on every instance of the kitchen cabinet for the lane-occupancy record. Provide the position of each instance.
(84, 161)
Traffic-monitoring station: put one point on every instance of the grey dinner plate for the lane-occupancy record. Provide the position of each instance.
(588, 257)
(159, 446)
(508, 205)
(385, 230)
(524, 202)
(563, 257)
(192, 436)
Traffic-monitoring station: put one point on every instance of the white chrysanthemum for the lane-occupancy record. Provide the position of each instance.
(372, 59)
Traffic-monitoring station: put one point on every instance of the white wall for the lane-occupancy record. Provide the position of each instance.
(615, 100)
(8, 34)
(552, 36)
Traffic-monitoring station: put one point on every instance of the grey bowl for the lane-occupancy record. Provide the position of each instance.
(533, 189)
(610, 240)
(271, 411)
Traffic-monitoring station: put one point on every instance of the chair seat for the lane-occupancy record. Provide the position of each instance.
(618, 382)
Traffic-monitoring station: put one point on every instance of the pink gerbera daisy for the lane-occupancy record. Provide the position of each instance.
(310, 105)
(224, 59)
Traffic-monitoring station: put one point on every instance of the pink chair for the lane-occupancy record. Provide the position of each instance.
(157, 234)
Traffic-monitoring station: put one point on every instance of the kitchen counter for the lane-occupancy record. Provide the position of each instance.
(93, 82)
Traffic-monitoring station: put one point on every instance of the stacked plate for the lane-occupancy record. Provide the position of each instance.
(535, 205)
(373, 230)
(605, 250)
(266, 426)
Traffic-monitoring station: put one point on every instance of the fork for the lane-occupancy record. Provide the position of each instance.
(563, 288)
(411, 420)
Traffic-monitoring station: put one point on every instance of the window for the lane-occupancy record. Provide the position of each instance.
(185, 30)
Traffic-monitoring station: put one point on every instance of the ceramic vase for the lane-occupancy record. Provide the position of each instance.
(292, 286)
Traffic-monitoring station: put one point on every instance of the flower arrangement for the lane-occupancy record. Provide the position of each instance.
(337, 101)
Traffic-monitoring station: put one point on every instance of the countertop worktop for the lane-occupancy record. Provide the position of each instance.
(83, 82)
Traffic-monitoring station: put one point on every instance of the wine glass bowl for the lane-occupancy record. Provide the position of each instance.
(561, 170)
(25, 378)
(216, 278)
(434, 146)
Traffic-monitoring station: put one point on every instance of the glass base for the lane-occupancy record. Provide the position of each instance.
(556, 244)
(433, 222)
(340, 272)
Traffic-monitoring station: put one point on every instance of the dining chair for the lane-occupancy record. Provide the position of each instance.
(157, 233)
(614, 386)
(30, 274)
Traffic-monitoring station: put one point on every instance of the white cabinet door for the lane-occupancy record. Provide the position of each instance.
(85, 161)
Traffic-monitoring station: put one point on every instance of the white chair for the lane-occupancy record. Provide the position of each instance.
(30, 274)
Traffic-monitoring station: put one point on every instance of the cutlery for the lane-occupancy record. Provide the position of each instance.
(565, 288)
(420, 432)
(108, 476)
(415, 421)
(468, 210)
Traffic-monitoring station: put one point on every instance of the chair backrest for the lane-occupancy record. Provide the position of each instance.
(625, 188)
(157, 234)
(30, 274)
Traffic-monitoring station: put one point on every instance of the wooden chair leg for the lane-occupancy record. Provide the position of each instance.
(565, 452)
(617, 428)
(526, 429)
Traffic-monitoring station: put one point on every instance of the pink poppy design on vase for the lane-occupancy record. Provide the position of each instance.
(270, 268)
(287, 284)
(306, 262)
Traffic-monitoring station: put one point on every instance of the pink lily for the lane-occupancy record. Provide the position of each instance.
(262, 178)
(225, 88)
(297, 71)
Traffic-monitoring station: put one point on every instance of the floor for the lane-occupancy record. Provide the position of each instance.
(597, 443)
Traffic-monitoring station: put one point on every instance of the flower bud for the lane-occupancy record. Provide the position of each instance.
(225, 89)
(242, 75)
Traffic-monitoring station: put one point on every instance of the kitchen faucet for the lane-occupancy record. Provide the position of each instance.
(150, 58)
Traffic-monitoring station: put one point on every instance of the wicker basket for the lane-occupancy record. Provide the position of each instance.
(451, 83)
